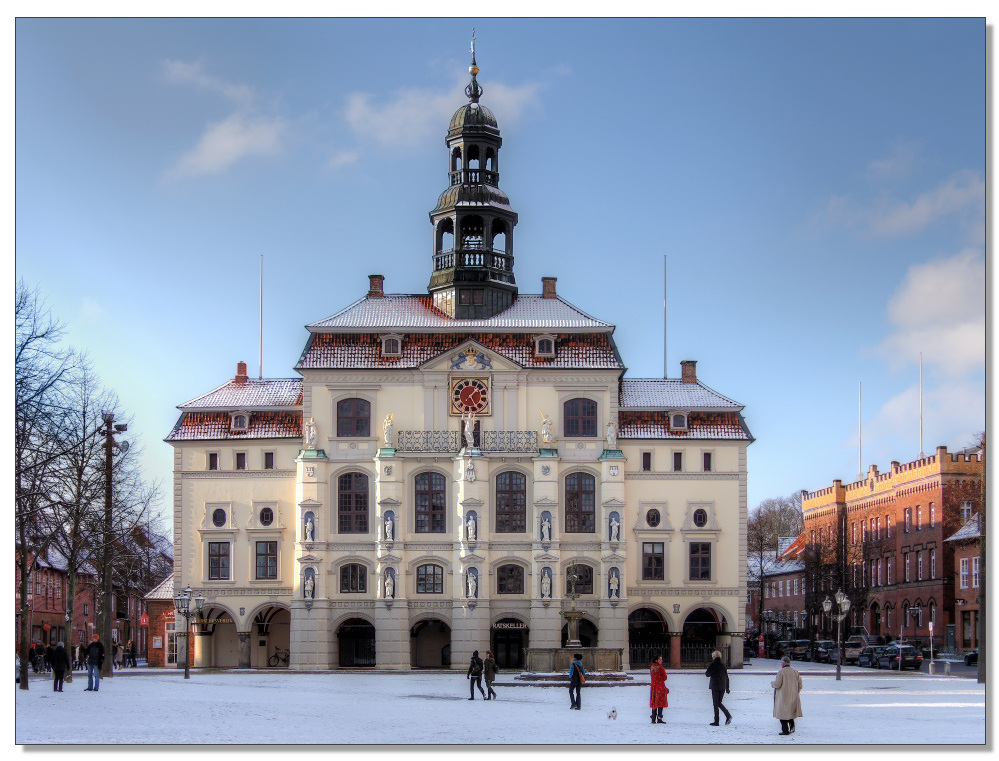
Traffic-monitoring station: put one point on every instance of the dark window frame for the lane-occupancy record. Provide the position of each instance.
(353, 578)
(213, 461)
(215, 517)
(431, 503)
(511, 502)
(653, 561)
(266, 560)
(353, 418)
(678, 462)
(646, 462)
(219, 561)
(266, 516)
(240, 463)
(430, 575)
(584, 582)
(700, 561)
(580, 503)
(268, 461)
(700, 517)
(706, 462)
(653, 517)
(352, 503)
(510, 579)
(579, 418)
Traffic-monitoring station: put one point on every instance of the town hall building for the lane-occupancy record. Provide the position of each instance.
(455, 470)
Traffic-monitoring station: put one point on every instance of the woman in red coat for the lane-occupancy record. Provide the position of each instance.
(657, 698)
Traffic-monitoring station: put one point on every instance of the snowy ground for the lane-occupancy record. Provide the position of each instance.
(159, 706)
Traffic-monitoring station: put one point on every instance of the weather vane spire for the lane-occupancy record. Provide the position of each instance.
(473, 91)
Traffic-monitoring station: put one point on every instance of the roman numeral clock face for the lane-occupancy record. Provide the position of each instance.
(469, 395)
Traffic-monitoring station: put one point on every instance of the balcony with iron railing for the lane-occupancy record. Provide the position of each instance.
(473, 254)
(475, 177)
(451, 442)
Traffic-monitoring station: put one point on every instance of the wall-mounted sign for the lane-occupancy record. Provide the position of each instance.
(502, 625)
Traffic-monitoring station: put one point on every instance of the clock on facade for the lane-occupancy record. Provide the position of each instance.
(469, 395)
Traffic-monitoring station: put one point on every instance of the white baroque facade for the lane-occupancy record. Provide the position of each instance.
(443, 460)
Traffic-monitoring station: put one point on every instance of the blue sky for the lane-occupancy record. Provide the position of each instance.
(817, 185)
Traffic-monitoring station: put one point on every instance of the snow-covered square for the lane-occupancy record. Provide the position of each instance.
(148, 706)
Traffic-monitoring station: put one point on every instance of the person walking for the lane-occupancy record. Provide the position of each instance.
(131, 653)
(717, 676)
(659, 691)
(787, 696)
(47, 658)
(117, 655)
(60, 662)
(95, 659)
(577, 678)
(489, 672)
(475, 675)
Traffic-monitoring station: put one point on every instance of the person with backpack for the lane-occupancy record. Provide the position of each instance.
(475, 675)
(577, 678)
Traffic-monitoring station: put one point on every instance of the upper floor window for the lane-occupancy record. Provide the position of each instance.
(544, 346)
(919, 519)
(430, 579)
(511, 503)
(353, 578)
(510, 580)
(919, 566)
(964, 573)
(646, 461)
(678, 461)
(580, 417)
(700, 561)
(431, 505)
(966, 511)
(238, 421)
(652, 517)
(391, 345)
(213, 460)
(707, 462)
(240, 460)
(908, 576)
(584, 580)
(218, 560)
(653, 561)
(352, 503)
(268, 461)
(908, 519)
(266, 557)
(678, 420)
(933, 564)
(580, 503)
(266, 516)
(353, 417)
(700, 517)
(975, 569)
(218, 517)
(888, 526)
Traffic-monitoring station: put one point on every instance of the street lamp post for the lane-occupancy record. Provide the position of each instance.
(183, 603)
(843, 603)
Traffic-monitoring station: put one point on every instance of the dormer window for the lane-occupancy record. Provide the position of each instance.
(544, 345)
(678, 421)
(239, 422)
(391, 345)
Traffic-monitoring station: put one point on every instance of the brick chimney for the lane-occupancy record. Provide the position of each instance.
(376, 288)
(240, 372)
(548, 287)
(688, 371)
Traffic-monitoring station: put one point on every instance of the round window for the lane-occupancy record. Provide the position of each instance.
(266, 516)
(652, 518)
(700, 517)
(218, 517)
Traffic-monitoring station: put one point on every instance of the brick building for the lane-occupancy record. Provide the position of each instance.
(783, 578)
(967, 544)
(162, 639)
(881, 539)
(48, 589)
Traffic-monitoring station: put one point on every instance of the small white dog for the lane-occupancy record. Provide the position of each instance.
(612, 714)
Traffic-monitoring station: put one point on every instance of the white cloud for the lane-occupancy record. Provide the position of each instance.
(939, 310)
(179, 72)
(235, 137)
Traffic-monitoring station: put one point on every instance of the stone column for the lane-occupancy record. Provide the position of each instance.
(735, 644)
(674, 649)
(244, 649)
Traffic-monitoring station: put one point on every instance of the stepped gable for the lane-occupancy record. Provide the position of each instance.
(216, 426)
(356, 350)
(646, 424)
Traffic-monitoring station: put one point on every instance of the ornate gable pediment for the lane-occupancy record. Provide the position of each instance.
(546, 557)
(470, 357)
(310, 559)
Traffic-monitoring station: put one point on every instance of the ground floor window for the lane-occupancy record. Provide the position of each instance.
(171, 643)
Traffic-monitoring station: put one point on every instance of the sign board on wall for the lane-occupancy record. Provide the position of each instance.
(157, 643)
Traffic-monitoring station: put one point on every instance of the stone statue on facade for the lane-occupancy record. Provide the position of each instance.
(389, 586)
(547, 438)
(546, 584)
(472, 585)
(470, 471)
(389, 528)
(614, 584)
(546, 530)
(310, 433)
(387, 428)
(470, 430)
(310, 586)
(470, 528)
(611, 435)
(310, 529)
(615, 526)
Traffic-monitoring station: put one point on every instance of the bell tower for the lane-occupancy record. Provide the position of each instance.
(473, 222)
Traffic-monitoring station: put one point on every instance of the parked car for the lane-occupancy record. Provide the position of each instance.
(825, 651)
(899, 657)
(869, 656)
(799, 649)
(781, 649)
(971, 658)
(852, 649)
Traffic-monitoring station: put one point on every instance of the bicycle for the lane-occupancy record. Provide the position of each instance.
(279, 657)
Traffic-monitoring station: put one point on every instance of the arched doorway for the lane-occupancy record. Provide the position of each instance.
(215, 642)
(587, 633)
(430, 644)
(875, 619)
(699, 636)
(648, 636)
(509, 642)
(356, 644)
(271, 639)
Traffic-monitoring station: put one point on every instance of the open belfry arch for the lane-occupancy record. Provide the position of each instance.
(463, 469)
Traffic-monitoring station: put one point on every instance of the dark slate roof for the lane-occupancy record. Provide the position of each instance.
(472, 114)
(360, 350)
(633, 424)
(529, 313)
(670, 394)
(215, 426)
(970, 530)
(250, 394)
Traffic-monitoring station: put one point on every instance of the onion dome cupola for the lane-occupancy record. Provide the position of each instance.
(473, 222)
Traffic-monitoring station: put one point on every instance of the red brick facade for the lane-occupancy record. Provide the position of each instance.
(967, 584)
(48, 588)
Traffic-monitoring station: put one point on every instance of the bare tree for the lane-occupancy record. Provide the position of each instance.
(773, 518)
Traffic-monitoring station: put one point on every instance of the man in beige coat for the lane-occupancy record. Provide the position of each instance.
(787, 696)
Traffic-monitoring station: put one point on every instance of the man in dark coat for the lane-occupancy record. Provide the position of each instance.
(475, 675)
(60, 662)
(47, 658)
(576, 675)
(95, 659)
(718, 684)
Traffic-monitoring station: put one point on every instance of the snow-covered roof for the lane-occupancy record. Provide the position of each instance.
(529, 312)
(163, 590)
(250, 394)
(670, 393)
(642, 424)
(970, 530)
(217, 426)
